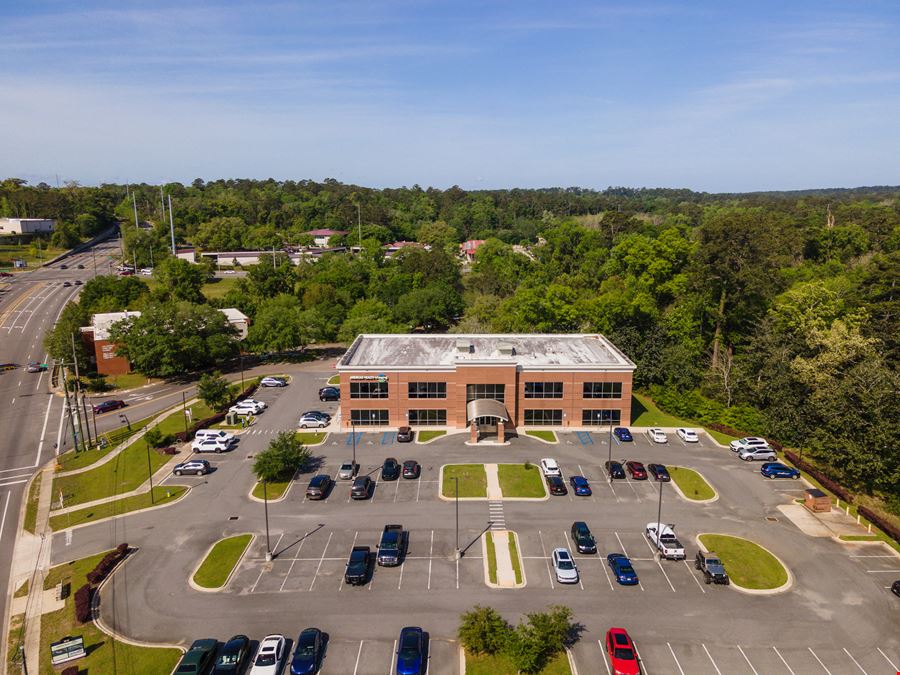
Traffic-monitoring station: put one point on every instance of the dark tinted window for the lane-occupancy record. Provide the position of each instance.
(543, 417)
(424, 417)
(604, 417)
(602, 390)
(543, 389)
(427, 389)
(368, 390)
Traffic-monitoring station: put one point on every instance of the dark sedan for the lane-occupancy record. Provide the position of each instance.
(636, 470)
(614, 469)
(622, 569)
(108, 406)
(390, 470)
(404, 435)
(329, 394)
(584, 540)
(556, 485)
(622, 434)
(318, 486)
(233, 657)
(659, 472)
(411, 651)
(581, 486)
(411, 469)
(361, 488)
(895, 587)
(308, 653)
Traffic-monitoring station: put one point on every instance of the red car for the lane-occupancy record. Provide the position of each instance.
(622, 654)
(108, 406)
(637, 470)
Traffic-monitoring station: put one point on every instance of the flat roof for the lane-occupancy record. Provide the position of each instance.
(532, 351)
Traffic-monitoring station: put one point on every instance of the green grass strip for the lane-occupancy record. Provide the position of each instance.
(22, 591)
(691, 483)
(31, 505)
(491, 557)
(472, 480)
(119, 507)
(274, 489)
(499, 664)
(857, 537)
(430, 434)
(334, 380)
(220, 561)
(514, 556)
(543, 434)
(310, 437)
(748, 564)
(519, 480)
(723, 439)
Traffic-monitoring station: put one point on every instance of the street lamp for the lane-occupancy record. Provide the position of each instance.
(266, 510)
(458, 553)
(241, 354)
(659, 513)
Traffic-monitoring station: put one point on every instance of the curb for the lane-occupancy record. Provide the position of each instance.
(430, 440)
(121, 515)
(315, 445)
(484, 558)
(237, 564)
(571, 657)
(276, 500)
(712, 499)
(753, 591)
(545, 498)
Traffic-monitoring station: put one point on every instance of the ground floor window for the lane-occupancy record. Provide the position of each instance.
(363, 418)
(589, 417)
(543, 417)
(428, 417)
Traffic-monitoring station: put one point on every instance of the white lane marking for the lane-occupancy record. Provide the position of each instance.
(747, 660)
(644, 668)
(16, 469)
(672, 652)
(887, 659)
(547, 561)
(891, 571)
(790, 670)
(816, 657)
(605, 659)
(59, 432)
(68, 537)
(358, 654)
(5, 507)
(688, 567)
(15, 482)
(418, 488)
(711, 658)
(37, 460)
(391, 663)
(430, 554)
(871, 556)
(294, 560)
(854, 661)
(13, 402)
(656, 557)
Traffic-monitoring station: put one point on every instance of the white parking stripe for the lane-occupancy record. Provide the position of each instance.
(790, 670)
(319, 566)
(605, 659)
(430, 554)
(711, 659)
(391, 662)
(672, 652)
(887, 659)
(625, 553)
(656, 557)
(693, 576)
(294, 560)
(747, 660)
(819, 660)
(358, 654)
(854, 661)
(644, 668)
(547, 561)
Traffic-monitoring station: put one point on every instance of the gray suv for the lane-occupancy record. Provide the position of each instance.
(753, 454)
(712, 568)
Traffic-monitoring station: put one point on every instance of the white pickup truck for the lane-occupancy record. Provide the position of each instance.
(663, 537)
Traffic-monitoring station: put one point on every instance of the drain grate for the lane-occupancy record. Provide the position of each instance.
(772, 519)
(233, 517)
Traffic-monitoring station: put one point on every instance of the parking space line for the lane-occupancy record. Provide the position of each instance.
(790, 670)
(641, 660)
(709, 656)
(625, 553)
(872, 556)
(672, 652)
(747, 660)
(374, 490)
(605, 660)
(293, 560)
(546, 560)
(396, 489)
(391, 662)
(430, 556)
(573, 559)
(358, 654)
(261, 571)
(355, 535)
(855, 661)
(457, 574)
(887, 659)
(892, 571)
(319, 566)
(693, 576)
(418, 488)
(656, 557)
(816, 657)
(400, 581)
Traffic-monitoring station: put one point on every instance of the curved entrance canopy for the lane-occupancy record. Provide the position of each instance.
(486, 407)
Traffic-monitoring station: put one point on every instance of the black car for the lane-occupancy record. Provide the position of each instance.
(308, 652)
(404, 435)
(67, 284)
(659, 472)
(361, 487)
(895, 587)
(390, 470)
(108, 406)
(557, 485)
(78, 282)
(319, 486)
(329, 394)
(583, 539)
(614, 469)
(411, 469)
(233, 657)
(318, 414)
(198, 659)
(358, 566)
(81, 267)
(63, 267)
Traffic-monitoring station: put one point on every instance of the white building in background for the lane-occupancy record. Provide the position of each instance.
(26, 225)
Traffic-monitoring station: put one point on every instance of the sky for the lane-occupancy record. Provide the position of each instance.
(708, 95)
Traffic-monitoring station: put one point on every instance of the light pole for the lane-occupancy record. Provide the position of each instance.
(659, 514)
(458, 554)
(353, 436)
(266, 509)
(241, 354)
(149, 470)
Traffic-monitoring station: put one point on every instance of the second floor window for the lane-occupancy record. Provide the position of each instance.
(368, 390)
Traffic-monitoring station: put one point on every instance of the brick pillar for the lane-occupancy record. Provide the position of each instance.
(501, 431)
(473, 436)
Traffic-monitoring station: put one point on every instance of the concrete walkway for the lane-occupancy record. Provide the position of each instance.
(32, 560)
(493, 482)
(506, 577)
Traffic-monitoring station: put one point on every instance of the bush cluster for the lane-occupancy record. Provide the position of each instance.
(695, 406)
(107, 563)
(880, 522)
(71, 670)
(182, 437)
(83, 598)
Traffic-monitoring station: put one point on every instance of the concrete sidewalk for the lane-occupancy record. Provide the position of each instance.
(493, 481)
(506, 577)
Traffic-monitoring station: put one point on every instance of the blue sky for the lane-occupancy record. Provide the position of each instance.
(717, 96)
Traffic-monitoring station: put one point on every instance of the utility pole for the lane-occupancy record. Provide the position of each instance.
(162, 205)
(87, 422)
(77, 394)
(359, 224)
(149, 470)
(184, 411)
(171, 225)
(69, 407)
(134, 203)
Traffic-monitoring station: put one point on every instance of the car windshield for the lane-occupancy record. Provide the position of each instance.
(186, 669)
(713, 561)
(409, 647)
(228, 659)
(306, 648)
(625, 569)
(565, 564)
(624, 654)
(267, 659)
(346, 467)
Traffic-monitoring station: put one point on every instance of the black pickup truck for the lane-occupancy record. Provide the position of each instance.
(712, 568)
(357, 572)
(392, 546)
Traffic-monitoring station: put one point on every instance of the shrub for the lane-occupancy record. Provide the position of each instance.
(83, 598)
(71, 670)
(881, 523)
(107, 563)
(154, 437)
(483, 631)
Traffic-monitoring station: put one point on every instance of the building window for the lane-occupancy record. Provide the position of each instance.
(603, 390)
(543, 389)
(479, 391)
(595, 417)
(368, 390)
(543, 417)
(428, 417)
(428, 390)
(369, 418)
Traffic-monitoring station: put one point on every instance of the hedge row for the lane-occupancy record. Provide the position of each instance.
(182, 437)
(880, 523)
(824, 480)
(107, 563)
(83, 598)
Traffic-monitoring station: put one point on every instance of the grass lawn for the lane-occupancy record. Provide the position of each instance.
(491, 556)
(102, 657)
(518, 480)
(118, 507)
(23, 251)
(128, 380)
(723, 439)
(747, 564)
(472, 480)
(498, 664)
(32, 504)
(219, 562)
(71, 460)
(22, 591)
(514, 556)
(544, 435)
(428, 435)
(218, 287)
(691, 483)
(175, 422)
(644, 413)
(274, 489)
(13, 665)
(311, 437)
(334, 380)
(858, 537)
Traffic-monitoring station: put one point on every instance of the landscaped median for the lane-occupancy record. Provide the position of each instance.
(493, 481)
(750, 567)
(219, 563)
(521, 481)
(429, 435)
(692, 485)
(272, 490)
(472, 481)
(161, 495)
(542, 435)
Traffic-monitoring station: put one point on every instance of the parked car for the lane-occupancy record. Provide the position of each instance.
(198, 659)
(556, 485)
(411, 469)
(358, 566)
(390, 469)
(80, 267)
(748, 442)
(147, 272)
(361, 487)
(329, 394)
(348, 470)
(657, 435)
(63, 267)
(270, 656)
(757, 454)
(895, 588)
(614, 469)
(220, 434)
(392, 545)
(35, 367)
(67, 284)
(313, 421)
(659, 472)
(209, 445)
(319, 486)
(581, 486)
(197, 467)
(255, 407)
(8, 366)
(622, 570)
(711, 567)
(108, 406)
(582, 538)
(77, 282)
(664, 539)
(564, 566)
(623, 434)
(308, 652)
(233, 657)
(273, 382)
(316, 413)
(404, 435)
(411, 651)
(636, 470)
(779, 470)
(621, 653)
(687, 435)
(549, 467)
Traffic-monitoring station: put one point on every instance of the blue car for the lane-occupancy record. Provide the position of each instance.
(411, 651)
(622, 569)
(779, 470)
(622, 434)
(581, 486)
(308, 652)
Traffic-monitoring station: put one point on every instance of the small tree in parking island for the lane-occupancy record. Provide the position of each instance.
(214, 390)
(483, 631)
(281, 459)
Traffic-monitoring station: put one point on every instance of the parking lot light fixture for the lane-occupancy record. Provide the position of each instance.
(353, 436)
(659, 510)
(266, 510)
(609, 470)
(458, 553)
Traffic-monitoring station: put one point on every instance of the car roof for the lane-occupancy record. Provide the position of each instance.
(579, 479)
(562, 552)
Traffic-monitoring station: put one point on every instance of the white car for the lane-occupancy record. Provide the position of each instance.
(749, 442)
(228, 272)
(549, 467)
(209, 445)
(147, 272)
(564, 566)
(217, 434)
(313, 421)
(272, 382)
(269, 657)
(754, 454)
(347, 471)
(246, 408)
(687, 435)
(657, 435)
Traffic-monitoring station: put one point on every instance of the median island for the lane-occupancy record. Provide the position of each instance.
(219, 563)
(691, 484)
(748, 564)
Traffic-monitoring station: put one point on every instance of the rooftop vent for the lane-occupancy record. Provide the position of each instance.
(465, 347)
(506, 348)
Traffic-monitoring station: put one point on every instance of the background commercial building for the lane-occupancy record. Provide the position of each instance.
(26, 225)
(495, 381)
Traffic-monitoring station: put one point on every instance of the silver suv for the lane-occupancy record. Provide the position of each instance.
(749, 442)
(751, 454)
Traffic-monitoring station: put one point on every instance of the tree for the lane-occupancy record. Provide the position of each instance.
(437, 234)
(284, 456)
(58, 340)
(180, 280)
(368, 316)
(112, 293)
(268, 280)
(483, 631)
(214, 390)
(65, 235)
(278, 325)
(544, 634)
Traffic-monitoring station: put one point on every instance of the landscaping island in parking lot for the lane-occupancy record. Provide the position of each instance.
(748, 564)
(499, 664)
(472, 481)
(521, 480)
(692, 485)
(222, 558)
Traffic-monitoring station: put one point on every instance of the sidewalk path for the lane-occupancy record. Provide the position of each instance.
(506, 577)
(493, 482)
(33, 558)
